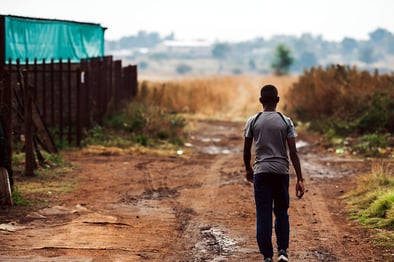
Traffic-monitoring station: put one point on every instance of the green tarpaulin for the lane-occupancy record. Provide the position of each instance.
(51, 39)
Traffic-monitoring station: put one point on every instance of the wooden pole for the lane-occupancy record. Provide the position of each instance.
(2, 46)
(29, 152)
(7, 98)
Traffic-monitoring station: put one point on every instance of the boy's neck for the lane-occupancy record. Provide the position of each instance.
(270, 108)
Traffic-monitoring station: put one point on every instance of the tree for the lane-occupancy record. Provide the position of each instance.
(282, 60)
(143, 65)
(348, 46)
(220, 50)
(367, 55)
(379, 35)
(252, 65)
(183, 69)
(306, 61)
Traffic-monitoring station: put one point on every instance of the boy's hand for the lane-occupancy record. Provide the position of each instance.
(249, 175)
(300, 189)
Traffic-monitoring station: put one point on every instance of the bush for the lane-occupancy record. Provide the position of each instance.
(344, 99)
(138, 123)
(183, 69)
(372, 144)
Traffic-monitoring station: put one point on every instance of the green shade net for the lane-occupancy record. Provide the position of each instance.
(51, 39)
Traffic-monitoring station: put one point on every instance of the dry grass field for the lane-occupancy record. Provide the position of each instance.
(217, 97)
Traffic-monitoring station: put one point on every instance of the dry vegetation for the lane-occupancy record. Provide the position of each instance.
(345, 100)
(219, 97)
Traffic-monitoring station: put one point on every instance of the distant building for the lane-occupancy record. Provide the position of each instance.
(198, 48)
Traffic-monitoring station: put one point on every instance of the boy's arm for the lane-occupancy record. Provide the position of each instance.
(295, 160)
(247, 158)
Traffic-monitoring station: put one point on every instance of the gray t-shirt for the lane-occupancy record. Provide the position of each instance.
(269, 133)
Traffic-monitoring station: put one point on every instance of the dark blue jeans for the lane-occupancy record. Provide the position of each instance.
(271, 192)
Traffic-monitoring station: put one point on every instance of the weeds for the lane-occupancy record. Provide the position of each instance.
(18, 199)
(372, 203)
(48, 182)
(373, 145)
(138, 124)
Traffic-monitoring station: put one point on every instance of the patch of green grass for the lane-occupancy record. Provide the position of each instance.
(18, 199)
(372, 202)
(49, 181)
(372, 145)
(138, 124)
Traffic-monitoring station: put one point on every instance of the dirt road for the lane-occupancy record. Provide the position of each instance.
(194, 206)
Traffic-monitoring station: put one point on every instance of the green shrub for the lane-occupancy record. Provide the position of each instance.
(372, 144)
(18, 199)
(379, 113)
(380, 207)
(140, 124)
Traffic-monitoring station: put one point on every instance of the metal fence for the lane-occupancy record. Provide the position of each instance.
(50, 100)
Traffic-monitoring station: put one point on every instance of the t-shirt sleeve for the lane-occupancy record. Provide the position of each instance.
(248, 130)
(291, 132)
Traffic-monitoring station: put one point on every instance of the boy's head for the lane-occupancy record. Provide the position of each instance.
(269, 95)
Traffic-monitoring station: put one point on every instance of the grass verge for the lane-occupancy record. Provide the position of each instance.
(372, 202)
(49, 181)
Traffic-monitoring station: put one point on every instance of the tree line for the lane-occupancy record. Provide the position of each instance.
(264, 55)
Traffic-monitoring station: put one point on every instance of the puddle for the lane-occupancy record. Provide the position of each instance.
(324, 256)
(301, 143)
(207, 140)
(331, 166)
(214, 150)
(213, 146)
(214, 244)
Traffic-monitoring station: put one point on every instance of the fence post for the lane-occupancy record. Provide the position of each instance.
(2, 46)
(35, 79)
(60, 103)
(44, 92)
(52, 93)
(7, 120)
(78, 115)
(69, 111)
(117, 83)
(7, 97)
(130, 82)
(85, 99)
(134, 81)
(29, 153)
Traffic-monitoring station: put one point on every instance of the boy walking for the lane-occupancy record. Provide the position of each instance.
(273, 135)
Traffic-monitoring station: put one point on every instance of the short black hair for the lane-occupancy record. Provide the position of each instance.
(269, 94)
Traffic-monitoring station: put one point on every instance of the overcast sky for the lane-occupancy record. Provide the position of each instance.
(217, 20)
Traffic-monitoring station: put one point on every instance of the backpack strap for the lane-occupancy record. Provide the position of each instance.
(254, 121)
(284, 120)
(259, 114)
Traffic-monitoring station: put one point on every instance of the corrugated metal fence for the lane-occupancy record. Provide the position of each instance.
(66, 98)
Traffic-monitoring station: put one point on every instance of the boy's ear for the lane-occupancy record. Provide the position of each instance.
(276, 100)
